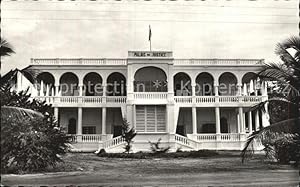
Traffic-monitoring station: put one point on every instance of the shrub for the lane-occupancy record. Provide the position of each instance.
(156, 149)
(29, 143)
(282, 147)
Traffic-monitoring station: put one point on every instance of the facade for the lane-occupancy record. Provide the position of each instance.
(190, 104)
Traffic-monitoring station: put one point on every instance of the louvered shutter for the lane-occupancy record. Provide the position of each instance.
(161, 118)
(140, 118)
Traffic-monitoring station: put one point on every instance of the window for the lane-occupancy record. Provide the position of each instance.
(89, 130)
(151, 118)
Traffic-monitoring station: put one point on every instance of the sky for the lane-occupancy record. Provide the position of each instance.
(108, 29)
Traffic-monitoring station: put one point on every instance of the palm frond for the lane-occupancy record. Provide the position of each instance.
(287, 126)
(6, 49)
(19, 113)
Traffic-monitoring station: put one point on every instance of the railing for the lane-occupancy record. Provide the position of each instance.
(92, 99)
(228, 99)
(82, 99)
(205, 99)
(183, 99)
(78, 61)
(185, 141)
(207, 62)
(230, 137)
(116, 99)
(252, 99)
(206, 137)
(86, 138)
(150, 95)
(113, 142)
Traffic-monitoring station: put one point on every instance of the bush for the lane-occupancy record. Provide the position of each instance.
(143, 155)
(282, 147)
(156, 149)
(29, 143)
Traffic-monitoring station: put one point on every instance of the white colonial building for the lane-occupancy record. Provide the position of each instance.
(189, 103)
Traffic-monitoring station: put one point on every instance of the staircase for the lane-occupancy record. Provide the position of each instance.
(114, 144)
(186, 143)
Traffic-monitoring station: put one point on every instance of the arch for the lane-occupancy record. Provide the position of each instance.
(150, 79)
(48, 83)
(116, 84)
(204, 84)
(182, 84)
(72, 126)
(228, 84)
(92, 84)
(69, 84)
(248, 77)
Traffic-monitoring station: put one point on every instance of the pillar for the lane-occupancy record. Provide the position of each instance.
(80, 89)
(79, 123)
(103, 120)
(194, 115)
(56, 114)
(218, 129)
(257, 121)
(241, 120)
(134, 116)
(250, 121)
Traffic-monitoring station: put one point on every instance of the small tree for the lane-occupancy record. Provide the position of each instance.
(128, 134)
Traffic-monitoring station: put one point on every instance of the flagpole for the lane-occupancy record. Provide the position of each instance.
(150, 34)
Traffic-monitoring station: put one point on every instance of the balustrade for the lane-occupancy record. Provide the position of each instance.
(150, 95)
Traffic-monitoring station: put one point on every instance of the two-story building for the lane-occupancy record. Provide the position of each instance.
(190, 104)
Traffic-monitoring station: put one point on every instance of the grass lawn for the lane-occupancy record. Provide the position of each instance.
(225, 168)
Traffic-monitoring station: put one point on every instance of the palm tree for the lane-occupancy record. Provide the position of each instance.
(286, 76)
(6, 49)
(19, 113)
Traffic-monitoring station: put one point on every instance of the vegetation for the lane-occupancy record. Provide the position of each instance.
(6, 49)
(156, 149)
(281, 139)
(30, 137)
(146, 155)
(128, 134)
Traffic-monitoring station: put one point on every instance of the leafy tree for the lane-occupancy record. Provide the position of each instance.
(128, 134)
(30, 137)
(281, 139)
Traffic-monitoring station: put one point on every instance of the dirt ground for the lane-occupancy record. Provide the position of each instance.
(89, 170)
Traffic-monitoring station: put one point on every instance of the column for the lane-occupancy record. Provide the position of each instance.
(56, 114)
(216, 92)
(250, 121)
(56, 90)
(218, 129)
(104, 121)
(104, 86)
(80, 86)
(134, 116)
(241, 118)
(257, 121)
(79, 123)
(194, 114)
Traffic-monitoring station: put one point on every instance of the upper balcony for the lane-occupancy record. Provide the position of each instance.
(124, 62)
(218, 62)
(79, 61)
